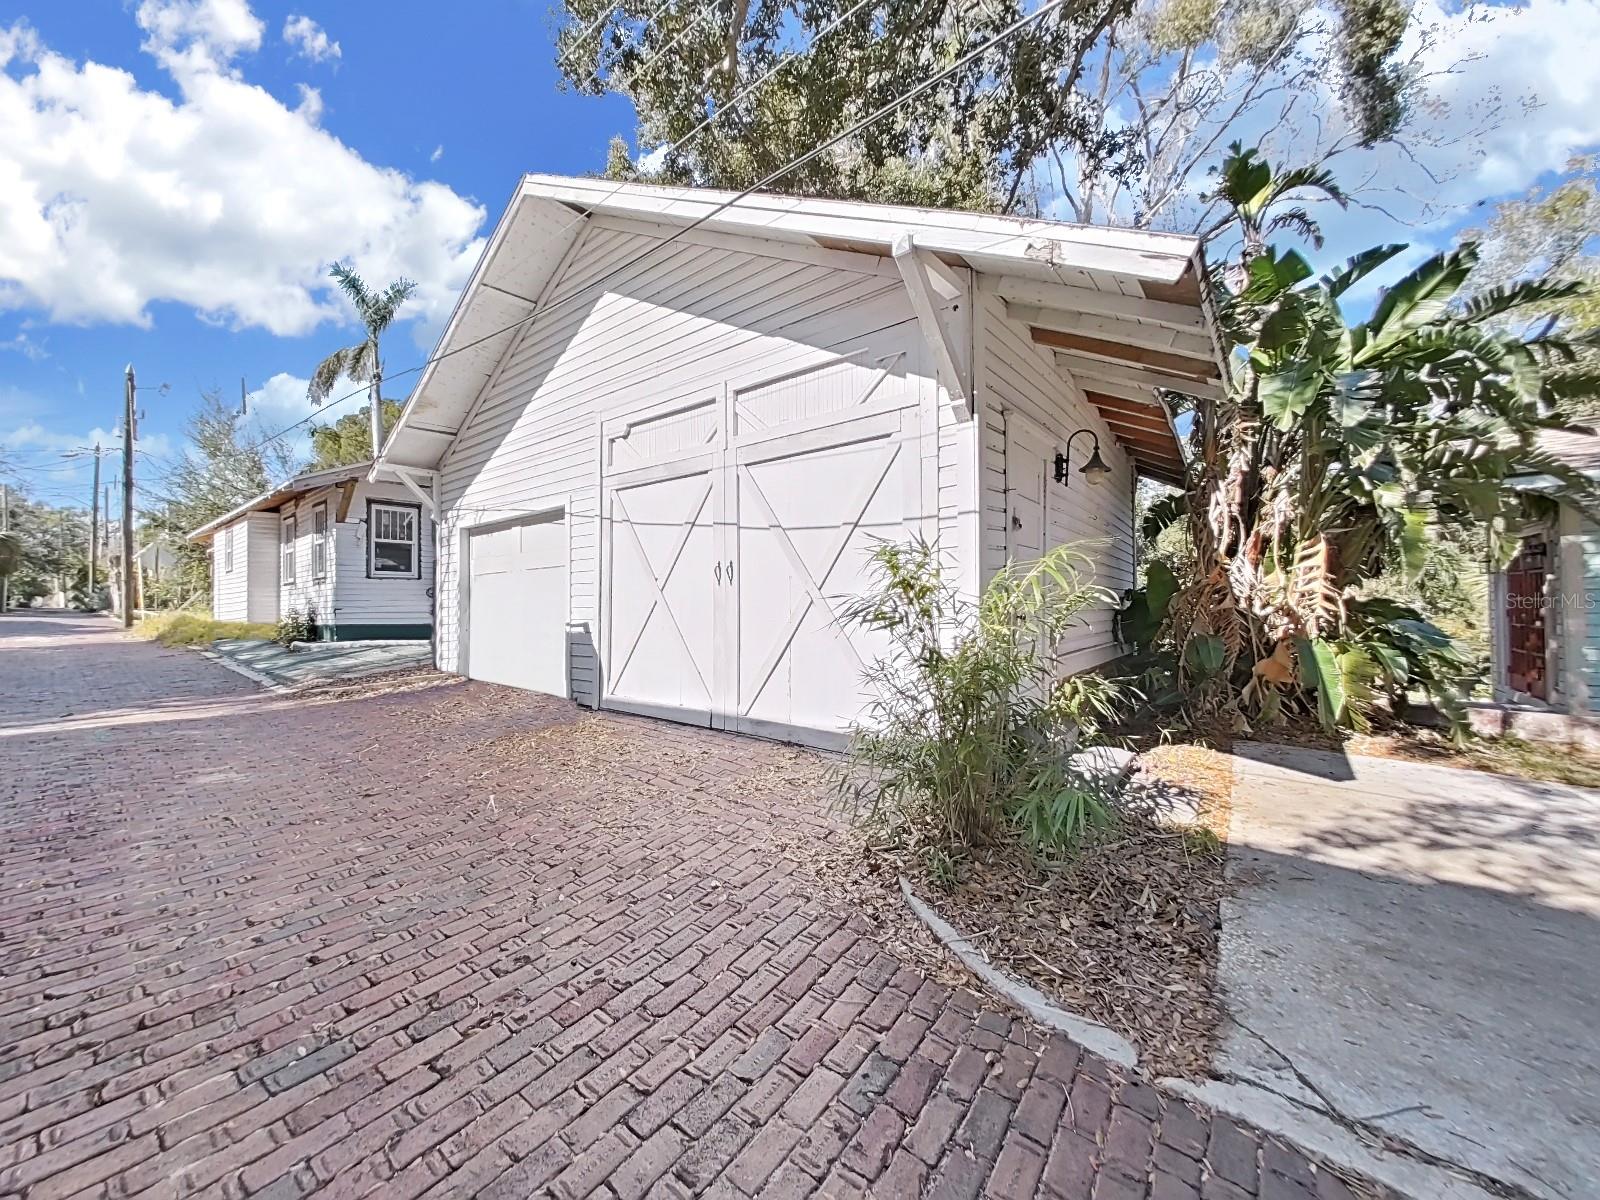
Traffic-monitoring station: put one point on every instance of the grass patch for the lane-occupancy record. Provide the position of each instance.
(192, 629)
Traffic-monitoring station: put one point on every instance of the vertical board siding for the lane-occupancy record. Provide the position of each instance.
(1016, 376)
(694, 316)
(261, 575)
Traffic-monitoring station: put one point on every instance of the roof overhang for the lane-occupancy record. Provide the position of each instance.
(1123, 311)
(310, 481)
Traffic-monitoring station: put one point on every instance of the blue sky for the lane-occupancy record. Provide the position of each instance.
(470, 103)
(177, 174)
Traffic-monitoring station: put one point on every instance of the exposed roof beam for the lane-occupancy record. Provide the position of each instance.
(1150, 424)
(1150, 337)
(1161, 444)
(1156, 360)
(1147, 408)
(924, 275)
(1092, 374)
(1108, 304)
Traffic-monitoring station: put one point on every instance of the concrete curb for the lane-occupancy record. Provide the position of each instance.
(1092, 1037)
(263, 681)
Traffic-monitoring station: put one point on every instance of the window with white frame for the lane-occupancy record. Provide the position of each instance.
(319, 540)
(227, 548)
(288, 549)
(392, 540)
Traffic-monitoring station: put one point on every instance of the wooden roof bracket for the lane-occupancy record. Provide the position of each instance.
(408, 476)
(937, 293)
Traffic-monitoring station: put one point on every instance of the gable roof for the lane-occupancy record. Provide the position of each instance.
(1122, 311)
(308, 481)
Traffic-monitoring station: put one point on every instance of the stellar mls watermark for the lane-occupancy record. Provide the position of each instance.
(1585, 601)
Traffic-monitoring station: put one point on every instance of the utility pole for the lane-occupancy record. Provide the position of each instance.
(5, 527)
(94, 525)
(127, 501)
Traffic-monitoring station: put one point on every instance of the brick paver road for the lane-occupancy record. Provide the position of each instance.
(264, 947)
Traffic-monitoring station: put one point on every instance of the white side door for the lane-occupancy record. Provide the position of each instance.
(1030, 457)
(517, 604)
(825, 465)
(663, 562)
(808, 512)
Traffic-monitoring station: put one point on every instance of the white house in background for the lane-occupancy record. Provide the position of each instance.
(664, 427)
(355, 556)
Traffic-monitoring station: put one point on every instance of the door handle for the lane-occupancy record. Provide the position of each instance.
(730, 570)
(717, 571)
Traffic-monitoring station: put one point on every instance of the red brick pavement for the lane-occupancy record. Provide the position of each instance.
(257, 947)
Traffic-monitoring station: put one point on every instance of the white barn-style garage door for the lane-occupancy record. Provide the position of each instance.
(736, 521)
(517, 604)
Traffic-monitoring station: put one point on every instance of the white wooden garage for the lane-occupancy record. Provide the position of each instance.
(664, 428)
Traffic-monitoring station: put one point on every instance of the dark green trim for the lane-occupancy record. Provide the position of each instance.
(369, 633)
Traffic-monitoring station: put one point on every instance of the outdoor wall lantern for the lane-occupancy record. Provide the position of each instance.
(1095, 470)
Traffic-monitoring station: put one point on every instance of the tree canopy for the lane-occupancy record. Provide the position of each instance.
(1551, 231)
(45, 551)
(1106, 110)
(348, 440)
(223, 463)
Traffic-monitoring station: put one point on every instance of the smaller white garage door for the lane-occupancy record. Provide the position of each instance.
(517, 604)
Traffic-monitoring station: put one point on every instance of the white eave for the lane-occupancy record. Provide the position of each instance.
(1121, 310)
(310, 481)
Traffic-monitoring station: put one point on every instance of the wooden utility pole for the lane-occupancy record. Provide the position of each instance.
(5, 527)
(94, 525)
(127, 501)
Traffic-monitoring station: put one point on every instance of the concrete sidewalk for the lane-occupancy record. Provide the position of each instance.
(321, 662)
(1414, 953)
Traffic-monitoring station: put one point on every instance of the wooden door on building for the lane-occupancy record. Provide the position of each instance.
(1526, 581)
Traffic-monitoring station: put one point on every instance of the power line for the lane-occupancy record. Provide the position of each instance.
(872, 118)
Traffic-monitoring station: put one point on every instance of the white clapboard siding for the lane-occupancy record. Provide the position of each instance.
(360, 600)
(307, 594)
(1016, 376)
(690, 319)
(230, 568)
(249, 592)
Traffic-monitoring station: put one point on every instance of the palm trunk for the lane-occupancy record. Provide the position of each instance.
(377, 403)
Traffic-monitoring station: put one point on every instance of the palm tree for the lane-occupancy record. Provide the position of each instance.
(1336, 445)
(362, 362)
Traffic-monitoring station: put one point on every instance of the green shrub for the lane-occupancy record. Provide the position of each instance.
(970, 724)
(294, 626)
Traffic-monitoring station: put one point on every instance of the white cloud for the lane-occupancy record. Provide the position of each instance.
(281, 402)
(26, 346)
(310, 106)
(196, 35)
(438, 153)
(309, 39)
(227, 200)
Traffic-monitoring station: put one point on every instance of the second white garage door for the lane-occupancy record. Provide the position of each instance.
(517, 604)
(737, 523)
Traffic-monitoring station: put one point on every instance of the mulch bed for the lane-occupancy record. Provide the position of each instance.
(1124, 933)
